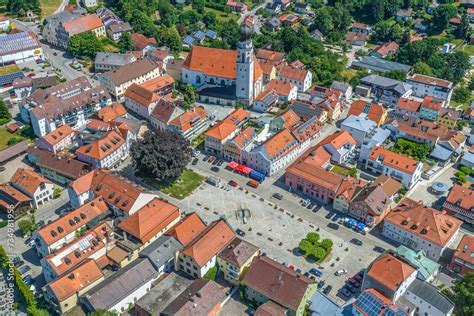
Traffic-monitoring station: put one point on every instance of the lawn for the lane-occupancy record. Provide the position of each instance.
(9, 69)
(340, 170)
(469, 49)
(5, 136)
(48, 7)
(222, 16)
(212, 273)
(182, 187)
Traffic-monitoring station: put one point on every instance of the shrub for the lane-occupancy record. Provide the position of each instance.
(312, 237)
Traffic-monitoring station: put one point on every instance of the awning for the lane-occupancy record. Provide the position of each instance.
(361, 227)
(243, 169)
(351, 222)
(232, 165)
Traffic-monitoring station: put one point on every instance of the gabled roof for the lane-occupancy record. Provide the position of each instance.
(85, 23)
(277, 282)
(187, 229)
(374, 199)
(386, 49)
(216, 62)
(270, 56)
(279, 145)
(103, 147)
(238, 252)
(227, 126)
(371, 302)
(317, 175)
(409, 105)
(349, 187)
(149, 220)
(431, 294)
(11, 196)
(158, 83)
(132, 70)
(374, 111)
(462, 197)
(58, 134)
(28, 180)
(186, 120)
(433, 81)
(424, 222)
(338, 140)
(390, 271)
(244, 137)
(141, 95)
(465, 249)
(292, 73)
(281, 87)
(70, 222)
(141, 41)
(210, 242)
(394, 160)
(432, 103)
(78, 279)
(110, 113)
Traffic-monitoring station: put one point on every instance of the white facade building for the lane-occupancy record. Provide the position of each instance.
(19, 47)
(301, 78)
(430, 86)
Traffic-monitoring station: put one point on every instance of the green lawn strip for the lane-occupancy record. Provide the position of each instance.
(9, 69)
(340, 170)
(180, 188)
(6, 136)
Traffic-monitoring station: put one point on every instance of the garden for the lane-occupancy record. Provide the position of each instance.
(315, 249)
(463, 174)
(181, 187)
(417, 151)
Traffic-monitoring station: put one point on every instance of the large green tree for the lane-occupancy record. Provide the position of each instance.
(462, 295)
(84, 44)
(22, 6)
(442, 15)
(125, 43)
(5, 115)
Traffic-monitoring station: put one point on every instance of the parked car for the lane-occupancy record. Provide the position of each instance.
(335, 218)
(316, 272)
(357, 277)
(19, 263)
(277, 196)
(2, 168)
(215, 169)
(195, 161)
(330, 214)
(306, 274)
(356, 241)
(297, 270)
(205, 158)
(211, 159)
(345, 292)
(40, 224)
(292, 267)
(240, 232)
(379, 249)
(310, 206)
(327, 290)
(321, 284)
(28, 280)
(354, 282)
(232, 183)
(351, 288)
(340, 272)
(24, 269)
(316, 208)
(220, 163)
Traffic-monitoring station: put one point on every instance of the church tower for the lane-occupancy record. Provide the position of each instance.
(245, 66)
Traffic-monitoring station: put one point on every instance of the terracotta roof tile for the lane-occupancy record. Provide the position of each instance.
(244, 137)
(11, 196)
(150, 220)
(58, 135)
(386, 49)
(102, 147)
(349, 187)
(110, 113)
(465, 249)
(317, 175)
(227, 126)
(389, 185)
(394, 160)
(431, 81)
(409, 105)
(270, 56)
(374, 111)
(461, 197)
(187, 229)
(293, 73)
(141, 41)
(427, 223)
(158, 83)
(85, 23)
(186, 120)
(390, 271)
(280, 87)
(141, 95)
(210, 242)
(28, 180)
(432, 103)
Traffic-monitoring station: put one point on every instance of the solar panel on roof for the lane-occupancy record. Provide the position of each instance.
(15, 42)
(8, 79)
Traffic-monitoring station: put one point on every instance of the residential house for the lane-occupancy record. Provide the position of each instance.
(407, 106)
(344, 88)
(143, 44)
(375, 112)
(191, 123)
(59, 139)
(289, 19)
(232, 149)
(200, 255)
(63, 230)
(63, 294)
(389, 186)
(111, 61)
(359, 127)
(265, 56)
(427, 268)
(4, 23)
(162, 253)
(387, 91)
(59, 168)
(360, 28)
(105, 152)
(421, 228)
(428, 299)
(14, 200)
(302, 7)
(317, 35)
(424, 86)
(73, 102)
(121, 195)
(468, 159)
(122, 288)
(389, 275)
(201, 297)
(346, 191)
(401, 168)
(286, 91)
(265, 101)
(118, 80)
(85, 23)
(273, 23)
(283, 3)
(91, 245)
(112, 112)
(235, 259)
(361, 307)
(430, 108)
(306, 110)
(272, 155)
(384, 50)
(33, 185)
(378, 137)
(370, 205)
(141, 100)
(267, 280)
(90, 3)
(52, 22)
(403, 15)
(302, 78)
(273, 8)
(166, 110)
(116, 29)
(149, 223)
(161, 56)
(356, 38)
(379, 65)
(187, 229)
(448, 118)
(460, 203)
(236, 6)
(462, 261)
(219, 134)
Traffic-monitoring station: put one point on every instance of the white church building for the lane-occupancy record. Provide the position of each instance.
(225, 76)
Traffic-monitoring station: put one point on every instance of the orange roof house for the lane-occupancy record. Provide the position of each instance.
(387, 274)
(422, 224)
(188, 119)
(463, 259)
(227, 127)
(149, 222)
(375, 112)
(96, 152)
(110, 113)
(187, 229)
(408, 105)
(57, 140)
(85, 23)
(460, 203)
(394, 160)
(141, 41)
(282, 88)
(216, 62)
(9, 196)
(270, 57)
(29, 181)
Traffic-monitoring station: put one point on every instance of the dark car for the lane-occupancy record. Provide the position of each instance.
(327, 290)
(215, 169)
(195, 161)
(220, 162)
(24, 269)
(333, 226)
(335, 218)
(357, 277)
(232, 183)
(316, 208)
(345, 292)
(356, 241)
(240, 232)
(351, 288)
(205, 158)
(379, 249)
(329, 215)
(2, 169)
(28, 280)
(306, 274)
(19, 263)
(277, 196)
(316, 272)
(310, 206)
(354, 282)
(40, 224)
(321, 284)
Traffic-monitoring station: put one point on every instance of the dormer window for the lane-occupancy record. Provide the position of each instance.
(414, 226)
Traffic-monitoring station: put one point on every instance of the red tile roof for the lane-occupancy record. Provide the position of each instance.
(11, 196)
(58, 135)
(292, 73)
(317, 175)
(141, 41)
(270, 57)
(461, 197)
(386, 49)
(85, 23)
(427, 223)
(158, 83)
(186, 120)
(209, 243)
(432, 103)
(103, 147)
(390, 271)
(465, 249)
(28, 180)
(375, 112)
(110, 113)
(431, 80)
(394, 160)
(227, 126)
(280, 87)
(149, 220)
(187, 229)
(141, 95)
(409, 105)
